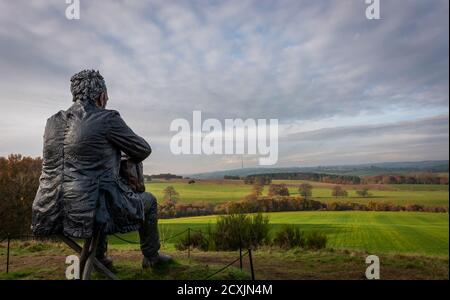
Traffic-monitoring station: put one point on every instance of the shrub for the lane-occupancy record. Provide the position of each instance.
(316, 240)
(234, 230)
(289, 237)
(414, 207)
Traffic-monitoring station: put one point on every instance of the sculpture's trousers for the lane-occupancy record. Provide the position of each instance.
(148, 231)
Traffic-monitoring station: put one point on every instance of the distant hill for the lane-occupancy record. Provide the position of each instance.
(391, 168)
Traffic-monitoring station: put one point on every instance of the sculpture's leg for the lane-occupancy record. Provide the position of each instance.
(148, 232)
(102, 246)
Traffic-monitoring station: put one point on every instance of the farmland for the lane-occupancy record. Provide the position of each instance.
(219, 191)
(380, 232)
(411, 245)
(377, 232)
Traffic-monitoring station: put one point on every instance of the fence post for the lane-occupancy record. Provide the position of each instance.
(7, 254)
(189, 244)
(240, 251)
(251, 263)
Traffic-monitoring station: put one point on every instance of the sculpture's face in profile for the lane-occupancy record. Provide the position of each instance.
(102, 100)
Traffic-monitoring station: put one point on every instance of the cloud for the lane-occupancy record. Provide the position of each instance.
(438, 125)
(297, 61)
(415, 140)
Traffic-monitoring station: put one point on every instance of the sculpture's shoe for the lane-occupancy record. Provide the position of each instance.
(107, 262)
(150, 262)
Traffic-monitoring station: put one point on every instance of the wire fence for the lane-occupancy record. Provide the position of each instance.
(10, 237)
(161, 241)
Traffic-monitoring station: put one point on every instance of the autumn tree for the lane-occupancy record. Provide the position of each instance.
(278, 190)
(19, 181)
(171, 195)
(257, 189)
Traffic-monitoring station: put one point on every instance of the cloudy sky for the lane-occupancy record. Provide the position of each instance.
(345, 89)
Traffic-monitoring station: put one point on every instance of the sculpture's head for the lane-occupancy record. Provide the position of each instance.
(89, 85)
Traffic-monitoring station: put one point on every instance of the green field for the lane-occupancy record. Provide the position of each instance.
(375, 232)
(214, 192)
(224, 191)
(378, 232)
(411, 245)
(396, 196)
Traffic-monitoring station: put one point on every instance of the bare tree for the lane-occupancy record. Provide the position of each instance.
(363, 192)
(338, 191)
(305, 190)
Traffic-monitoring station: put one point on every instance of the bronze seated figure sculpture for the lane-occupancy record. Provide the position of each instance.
(86, 190)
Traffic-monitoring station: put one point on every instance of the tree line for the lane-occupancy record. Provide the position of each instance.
(284, 203)
(166, 176)
(321, 177)
(417, 178)
(413, 178)
(279, 199)
(19, 181)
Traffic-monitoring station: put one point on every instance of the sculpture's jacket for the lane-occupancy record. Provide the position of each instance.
(80, 183)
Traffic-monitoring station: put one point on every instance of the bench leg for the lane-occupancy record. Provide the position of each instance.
(98, 265)
(89, 263)
(84, 255)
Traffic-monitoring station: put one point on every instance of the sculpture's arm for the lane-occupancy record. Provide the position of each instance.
(121, 136)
